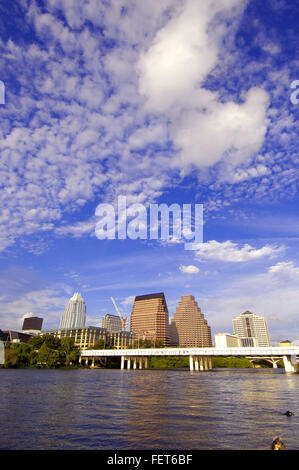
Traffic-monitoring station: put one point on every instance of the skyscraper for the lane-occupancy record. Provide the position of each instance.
(191, 326)
(149, 318)
(248, 326)
(74, 313)
(112, 323)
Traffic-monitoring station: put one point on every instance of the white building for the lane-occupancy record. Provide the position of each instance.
(226, 340)
(248, 326)
(74, 313)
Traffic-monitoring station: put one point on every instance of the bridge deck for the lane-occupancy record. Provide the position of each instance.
(249, 352)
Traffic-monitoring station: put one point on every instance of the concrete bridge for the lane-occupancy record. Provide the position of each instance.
(199, 358)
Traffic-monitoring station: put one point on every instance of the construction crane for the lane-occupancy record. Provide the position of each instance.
(123, 320)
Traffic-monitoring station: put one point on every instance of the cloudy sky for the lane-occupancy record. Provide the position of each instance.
(167, 101)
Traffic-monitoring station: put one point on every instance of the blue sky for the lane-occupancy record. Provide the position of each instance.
(169, 101)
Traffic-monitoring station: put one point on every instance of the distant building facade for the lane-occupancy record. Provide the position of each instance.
(248, 342)
(121, 339)
(191, 326)
(85, 338)
(32, 325)
(150, 318)
(15, 336)
(74, 313)
(112, 323)
(251, 328)
(286, 343)
(226, 340)
(173, 334)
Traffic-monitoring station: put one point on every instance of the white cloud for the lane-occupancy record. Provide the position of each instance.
(91, 120)
(285, 269)
(232, 252)
(129, 300)
(45, 303)
(189, 269)
(78, 229)
(203, 129)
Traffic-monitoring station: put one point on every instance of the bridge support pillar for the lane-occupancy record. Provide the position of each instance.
(134, 363)
(122, 362)
(201, 367)
(140, 362)
(146, 362)
(128, 363)
(196, 364)
(290, 364)
(92, 361)
(191, 366)
(210, 363)
(206, 363)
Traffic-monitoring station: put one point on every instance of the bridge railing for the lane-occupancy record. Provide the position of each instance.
(275, 351)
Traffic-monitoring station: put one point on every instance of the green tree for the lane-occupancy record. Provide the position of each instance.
(46, 356)
(52, 342)
(11, 358)
(33, 357)
(231, 363)
(22, 350)
(36, 341)
(69, 353)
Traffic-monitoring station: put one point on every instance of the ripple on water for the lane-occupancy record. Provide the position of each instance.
(170, 409)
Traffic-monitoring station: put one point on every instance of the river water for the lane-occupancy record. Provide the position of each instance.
(147, 409)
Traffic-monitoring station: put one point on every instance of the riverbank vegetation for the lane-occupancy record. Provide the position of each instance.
(42, 352)
(217, 363)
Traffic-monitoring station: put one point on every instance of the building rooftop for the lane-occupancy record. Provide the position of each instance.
(159, 295)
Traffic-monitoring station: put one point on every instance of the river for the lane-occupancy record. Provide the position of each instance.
(147, 409)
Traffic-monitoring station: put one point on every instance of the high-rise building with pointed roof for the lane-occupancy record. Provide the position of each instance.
(74, 313)
(192, 329)
(149, 318)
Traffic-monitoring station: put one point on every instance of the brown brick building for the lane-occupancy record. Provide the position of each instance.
(149, 318)
(189, 327)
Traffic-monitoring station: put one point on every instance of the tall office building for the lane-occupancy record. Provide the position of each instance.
(32, 325)
(74, 313)
(192, 328)
(149, 318)
(252, 329)
(112, 323)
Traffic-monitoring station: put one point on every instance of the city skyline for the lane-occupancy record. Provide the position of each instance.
(171, 102)
(186, 305)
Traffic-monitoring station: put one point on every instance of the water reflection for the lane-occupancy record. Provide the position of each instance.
(113, 409)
